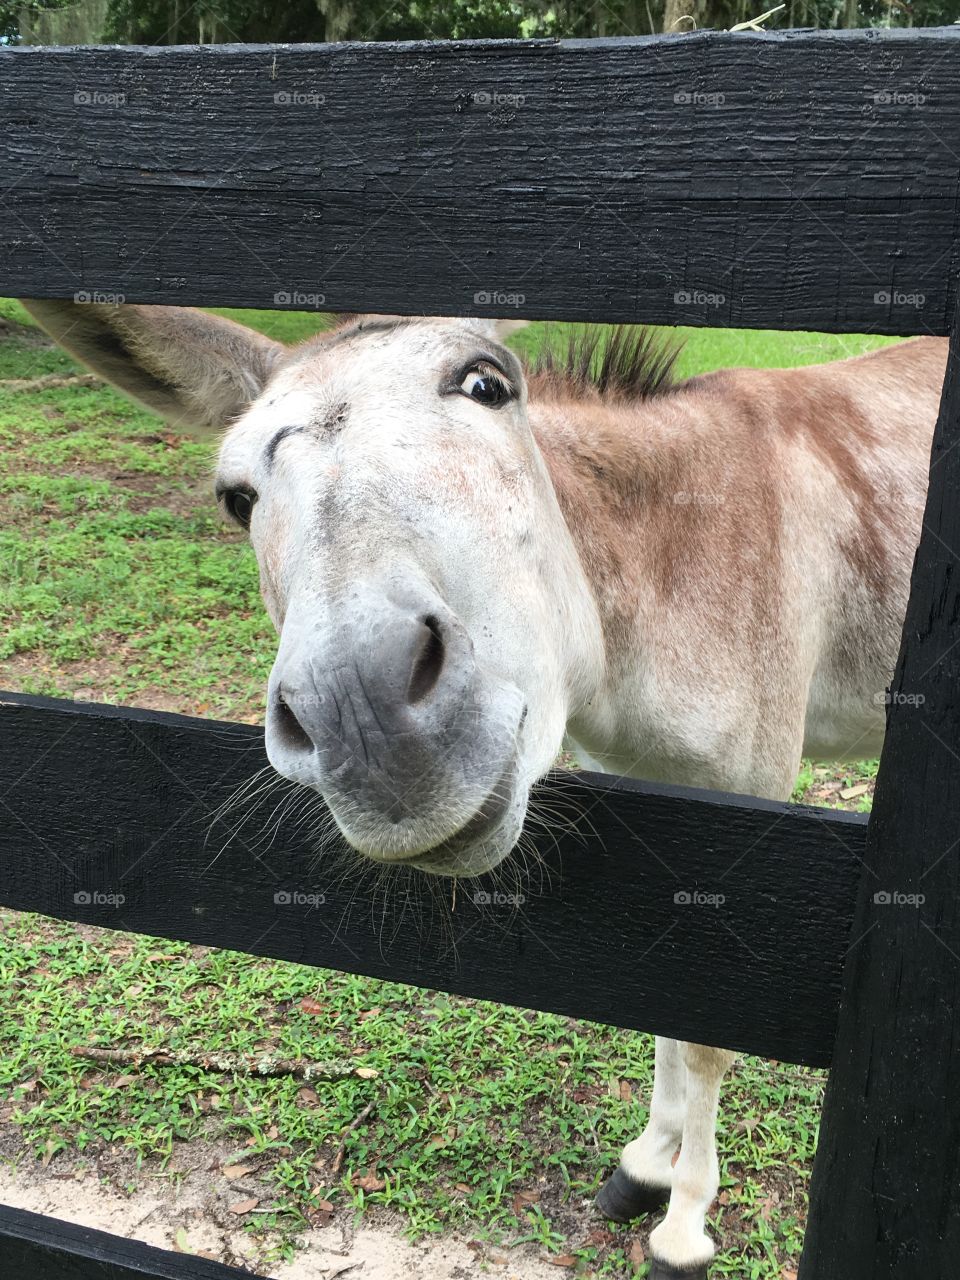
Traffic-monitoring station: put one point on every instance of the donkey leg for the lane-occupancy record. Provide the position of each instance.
(643, 1179)
(680, 1245)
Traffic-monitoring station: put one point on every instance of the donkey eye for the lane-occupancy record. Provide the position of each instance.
(239, 505)
(485, 384)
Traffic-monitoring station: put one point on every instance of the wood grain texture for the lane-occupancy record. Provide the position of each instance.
(36, 1247)
(780, 180)
(885, 1201)
(102, 803)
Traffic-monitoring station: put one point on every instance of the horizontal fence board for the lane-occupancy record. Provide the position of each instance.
(622, 926)
(803, 180)
(36, 1247)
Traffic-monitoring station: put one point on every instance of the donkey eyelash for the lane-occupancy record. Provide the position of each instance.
(238, 501)
(486, 370)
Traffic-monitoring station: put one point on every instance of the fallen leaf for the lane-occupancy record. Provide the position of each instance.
(180, 1242)
(48, 1153)
(243, 1206)
(788, 1273)
(626, 1093)
(369, 1182)
(561, 1260)
(635, 1255)
(437, 1140)
(121, 1082)
(308, 1096)
(158, 956)
(369, 1013)
(309, 1005)
(325, 1205)
(523, 1199)
(367, 1073)
(233, 1171)
(273, 1133)
(599, 1236)
(851, 793)
(462, 1186)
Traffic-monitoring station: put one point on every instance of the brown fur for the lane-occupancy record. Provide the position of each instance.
(704, 515)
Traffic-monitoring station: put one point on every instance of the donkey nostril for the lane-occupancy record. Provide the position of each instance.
(427, 662)
(288, 727)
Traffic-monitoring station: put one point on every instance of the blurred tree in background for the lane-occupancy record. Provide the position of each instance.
(220, 21)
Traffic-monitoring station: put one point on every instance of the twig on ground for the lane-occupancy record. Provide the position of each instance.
(354, 1124)
(243, 1063)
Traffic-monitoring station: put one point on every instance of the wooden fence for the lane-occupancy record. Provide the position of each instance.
(798, 180)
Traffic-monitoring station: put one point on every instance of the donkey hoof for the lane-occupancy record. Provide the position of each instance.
(664, 1271)
(622, 1198)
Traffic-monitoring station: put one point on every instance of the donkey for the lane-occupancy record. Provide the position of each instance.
(466, 562)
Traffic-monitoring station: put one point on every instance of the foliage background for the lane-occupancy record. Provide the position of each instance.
(222, 21)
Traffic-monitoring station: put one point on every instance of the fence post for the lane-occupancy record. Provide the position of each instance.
(885, 1196)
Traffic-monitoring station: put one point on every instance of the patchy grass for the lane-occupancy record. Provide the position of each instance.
(121, 583)
(497, 1120)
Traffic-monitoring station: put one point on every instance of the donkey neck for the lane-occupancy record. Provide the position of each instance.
(637, 483)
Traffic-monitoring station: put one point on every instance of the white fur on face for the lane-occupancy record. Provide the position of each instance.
(386, 481)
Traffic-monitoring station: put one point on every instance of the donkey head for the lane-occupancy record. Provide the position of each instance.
(436, 629)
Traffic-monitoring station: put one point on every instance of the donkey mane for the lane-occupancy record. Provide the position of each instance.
(633, 363)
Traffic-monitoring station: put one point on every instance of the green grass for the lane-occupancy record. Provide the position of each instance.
(120, 580)
(474, 1102)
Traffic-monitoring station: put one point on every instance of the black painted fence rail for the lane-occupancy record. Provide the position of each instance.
(803, 180)
(690, 913)
(38, 1247)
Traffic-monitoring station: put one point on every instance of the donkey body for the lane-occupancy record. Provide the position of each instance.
(467, 561)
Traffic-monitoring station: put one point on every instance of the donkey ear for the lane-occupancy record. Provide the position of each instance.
(196, 370)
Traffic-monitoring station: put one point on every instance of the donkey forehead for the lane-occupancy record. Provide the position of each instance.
(381, 366)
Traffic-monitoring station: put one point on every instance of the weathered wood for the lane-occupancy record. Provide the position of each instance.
(788, 179)
(885, 1201)
(37, 1247)
(102, 804)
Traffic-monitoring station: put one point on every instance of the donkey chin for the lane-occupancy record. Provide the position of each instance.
(432, 777)
(471, 848)
(419, 822)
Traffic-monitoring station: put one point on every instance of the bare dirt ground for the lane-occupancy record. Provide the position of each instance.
(180, 1210)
